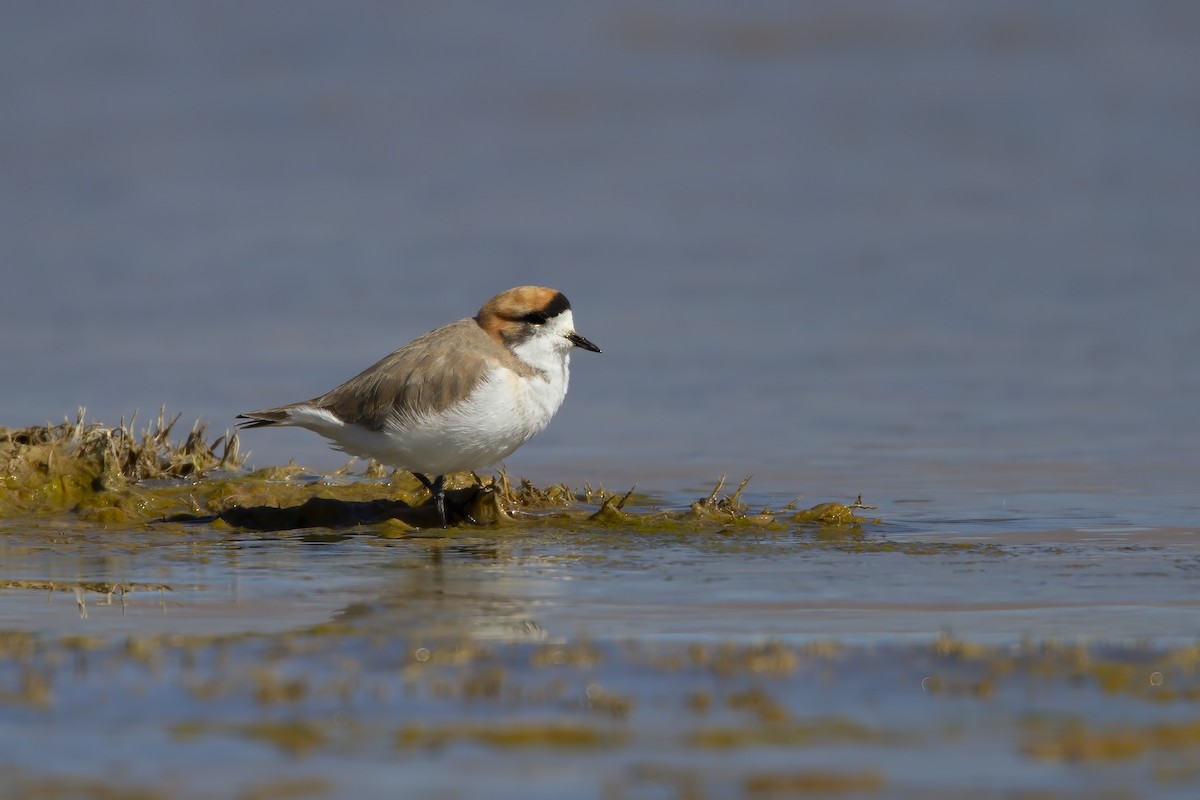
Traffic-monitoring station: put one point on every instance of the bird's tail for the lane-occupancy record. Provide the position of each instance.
(264, 418)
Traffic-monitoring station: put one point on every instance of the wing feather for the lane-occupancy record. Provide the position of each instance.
(430, 373)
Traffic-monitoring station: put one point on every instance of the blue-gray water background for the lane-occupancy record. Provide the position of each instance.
(940, 251)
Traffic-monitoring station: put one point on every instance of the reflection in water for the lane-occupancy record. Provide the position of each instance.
(892, 580)
(456, 589)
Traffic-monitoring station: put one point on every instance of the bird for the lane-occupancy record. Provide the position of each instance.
(461, 397)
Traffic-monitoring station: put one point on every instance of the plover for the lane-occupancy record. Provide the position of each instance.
(461, 397)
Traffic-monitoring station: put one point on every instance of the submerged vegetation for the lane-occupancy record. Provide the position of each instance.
(775, 719)
(114, 476)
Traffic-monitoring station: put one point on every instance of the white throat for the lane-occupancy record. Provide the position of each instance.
(549, 351)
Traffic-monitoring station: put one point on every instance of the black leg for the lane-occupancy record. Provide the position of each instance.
(437, 490)
(439, 498)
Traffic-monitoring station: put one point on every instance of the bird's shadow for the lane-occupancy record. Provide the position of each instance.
(328, 512)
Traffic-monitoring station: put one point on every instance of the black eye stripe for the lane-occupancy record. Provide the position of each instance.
(556, 306)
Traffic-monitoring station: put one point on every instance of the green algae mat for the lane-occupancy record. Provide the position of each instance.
(172, 625)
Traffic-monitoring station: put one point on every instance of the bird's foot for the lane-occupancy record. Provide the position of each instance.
(443, 503)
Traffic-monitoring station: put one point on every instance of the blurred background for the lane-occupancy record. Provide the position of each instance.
(917, 250)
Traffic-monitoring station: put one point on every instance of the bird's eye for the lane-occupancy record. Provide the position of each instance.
(534, 318)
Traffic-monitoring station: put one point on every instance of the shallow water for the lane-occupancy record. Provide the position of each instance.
(792, 585)
(940, 255)
(894, 660)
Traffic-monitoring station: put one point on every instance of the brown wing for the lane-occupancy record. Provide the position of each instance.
(429, 373)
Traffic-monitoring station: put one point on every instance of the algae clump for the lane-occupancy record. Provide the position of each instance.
(53, 467)
(115, 477)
